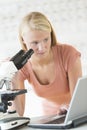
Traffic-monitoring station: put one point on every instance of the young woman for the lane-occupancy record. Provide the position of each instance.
(52, 70)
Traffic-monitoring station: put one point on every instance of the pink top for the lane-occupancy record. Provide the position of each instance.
(56, 93)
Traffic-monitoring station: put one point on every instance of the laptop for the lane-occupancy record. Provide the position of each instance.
(75, 116)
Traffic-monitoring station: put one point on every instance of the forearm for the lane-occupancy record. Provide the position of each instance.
(19, 104)
(19, 101)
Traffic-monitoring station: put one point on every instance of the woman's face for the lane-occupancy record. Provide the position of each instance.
(39, 41)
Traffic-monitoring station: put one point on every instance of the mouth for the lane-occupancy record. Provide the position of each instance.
(41, 52)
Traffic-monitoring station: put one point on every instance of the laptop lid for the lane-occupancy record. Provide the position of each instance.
(78, 104)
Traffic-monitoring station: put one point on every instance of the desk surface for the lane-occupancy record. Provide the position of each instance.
(81, 127)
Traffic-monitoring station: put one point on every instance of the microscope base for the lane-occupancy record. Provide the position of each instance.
(11, 121)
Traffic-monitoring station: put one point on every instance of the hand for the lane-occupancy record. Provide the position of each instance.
(3, 60)
(63, 109)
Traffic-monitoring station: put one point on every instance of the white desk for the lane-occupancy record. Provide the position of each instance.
(81, 127)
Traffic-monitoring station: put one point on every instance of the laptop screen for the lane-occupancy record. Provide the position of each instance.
(78, 104)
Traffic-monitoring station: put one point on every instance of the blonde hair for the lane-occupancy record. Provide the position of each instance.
(36, 21)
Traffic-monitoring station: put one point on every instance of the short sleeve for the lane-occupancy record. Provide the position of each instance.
(69, 56)
(23, 73)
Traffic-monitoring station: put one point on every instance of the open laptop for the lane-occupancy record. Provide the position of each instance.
(76, 115)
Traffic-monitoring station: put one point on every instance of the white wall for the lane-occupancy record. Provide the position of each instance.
(69, 18)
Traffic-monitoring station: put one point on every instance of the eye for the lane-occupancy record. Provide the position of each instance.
(34, 43)
(46, 39)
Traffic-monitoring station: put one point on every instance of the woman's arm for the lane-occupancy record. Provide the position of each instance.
(19, 103)
(74, 73)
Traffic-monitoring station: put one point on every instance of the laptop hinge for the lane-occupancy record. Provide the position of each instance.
(79, 121)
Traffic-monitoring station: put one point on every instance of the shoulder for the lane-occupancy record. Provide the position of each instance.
(67, 53)
(25, 71)
(66, 49)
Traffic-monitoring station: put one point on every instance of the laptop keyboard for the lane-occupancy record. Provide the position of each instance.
(56, 121)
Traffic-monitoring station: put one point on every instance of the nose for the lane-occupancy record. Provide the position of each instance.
(40, 46)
